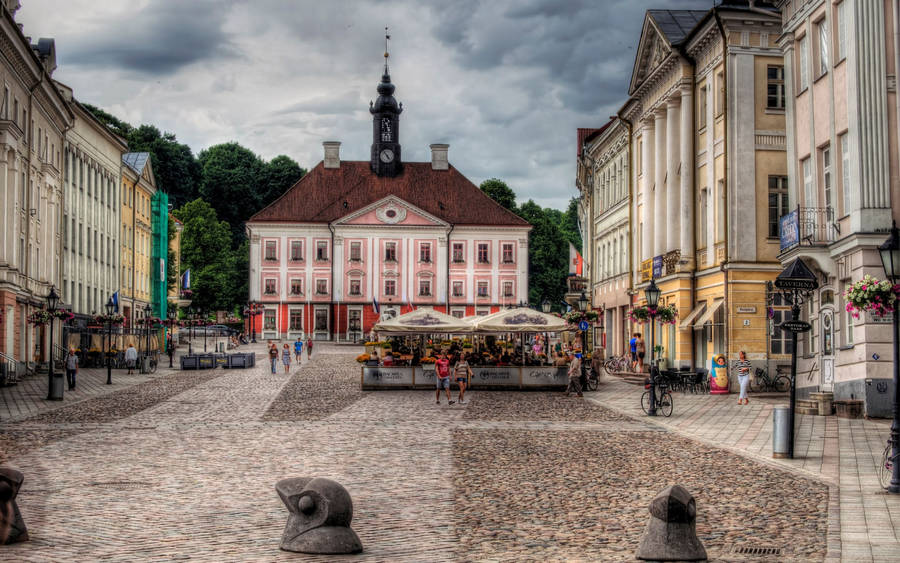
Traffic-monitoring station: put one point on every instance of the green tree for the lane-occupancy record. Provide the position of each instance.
(118, 126)
(569, 225)
(171, 267)
(230, 180)
(279, 174)
(548, 253)
(498, 191)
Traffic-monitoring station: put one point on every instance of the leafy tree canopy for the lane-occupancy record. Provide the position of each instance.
(498, 191)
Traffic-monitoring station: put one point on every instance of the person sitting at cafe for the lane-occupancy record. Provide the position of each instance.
(388, 359)
(373, 359)
(560, 360)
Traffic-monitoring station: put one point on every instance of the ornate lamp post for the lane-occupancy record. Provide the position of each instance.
(545, 305)
(54, 387)
(582, 306)
(652, 295)
(110, 309)
(190, 317)
(251, 310)
(204, 318)
(890, 259)
(172, 317)
(148, 315)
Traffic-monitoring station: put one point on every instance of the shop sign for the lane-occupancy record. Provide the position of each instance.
(789, 230)
(387, 376)
(657, 266)
(746, 309)
(496, 376)
(544, 376)
(795, 326)
(876, 319)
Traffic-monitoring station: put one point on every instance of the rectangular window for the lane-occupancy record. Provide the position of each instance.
(390, 252)
(848, 325)
(270, 287)
(778, 203)
(355, 287)
(720, 93)
(803, 63)
(507, 254)
(425, 252)
(355, 251)
(88, 242)
(390, 287)
(321, 320)
(483, 255)
(270, 251)
(704, 218)
(775, 85)
(482, 289)
(845, 171)
(296, 287)
(425, 287)
(297, 250)
(458, 313)
(826, 177)
(269, 319)
(354, 320)
(841, 32)
(296, 320)
(321, 287)
(809, 194)
(322, 251)
(457, 289)
(822, 36)
(458, 252)
(507, 289)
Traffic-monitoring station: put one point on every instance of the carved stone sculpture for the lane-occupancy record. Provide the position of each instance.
(12, 527)
(320, 514)
(671, 533)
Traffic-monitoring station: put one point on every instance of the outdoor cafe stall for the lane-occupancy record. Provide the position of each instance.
(423, 334)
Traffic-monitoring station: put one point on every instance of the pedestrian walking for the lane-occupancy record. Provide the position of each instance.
(309, 346)
(71, 367)
(597, 362)
(641, 349)
(743, 370)
(273, 355)
(286, 358)
(632, 346)
(575, 376)
(130, 358)
(298, 350)
(442, 368)
(463, 373)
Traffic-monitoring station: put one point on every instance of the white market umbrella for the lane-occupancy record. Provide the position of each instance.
(423, 321)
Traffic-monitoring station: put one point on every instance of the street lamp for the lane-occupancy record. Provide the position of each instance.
(171, 344)
(652, 296)
(54, 387)
(148, 314)
(110, 309)
(582, 306)
(190, 316)
(251, 310)
(204, 318)
(890, 259)
(545, 306)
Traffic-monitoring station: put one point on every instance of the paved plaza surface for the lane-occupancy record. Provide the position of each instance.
(182, 465)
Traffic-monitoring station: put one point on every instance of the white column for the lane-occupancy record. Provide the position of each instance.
(673, 161)
(646, 194)
(686, 222)
(8, 234)
(659, 164)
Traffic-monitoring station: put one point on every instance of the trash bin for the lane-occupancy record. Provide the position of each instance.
(221, 346)
(781, 431)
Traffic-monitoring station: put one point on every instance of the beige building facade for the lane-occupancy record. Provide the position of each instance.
(844, 182)
(138, 189)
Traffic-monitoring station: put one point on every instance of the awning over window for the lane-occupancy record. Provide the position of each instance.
(689, 320)
(704, 318)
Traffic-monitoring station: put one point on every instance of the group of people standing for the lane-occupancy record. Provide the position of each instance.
(286, 354)
(461, 371)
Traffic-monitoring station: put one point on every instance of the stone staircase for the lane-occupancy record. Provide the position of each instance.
(631, 377)
(807, 406)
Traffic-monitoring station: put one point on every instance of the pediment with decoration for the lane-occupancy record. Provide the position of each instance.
(391, 211)
(653, 49)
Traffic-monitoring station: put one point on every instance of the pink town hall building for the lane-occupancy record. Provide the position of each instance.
(353, 242)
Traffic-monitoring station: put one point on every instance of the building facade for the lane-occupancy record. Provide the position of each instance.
(138, 193)
(353, 242)
(602, 180)
(708, 142)
(840, 78)
(33, 120)
(92, 165)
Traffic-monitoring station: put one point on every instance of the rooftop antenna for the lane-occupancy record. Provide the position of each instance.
(387, 38)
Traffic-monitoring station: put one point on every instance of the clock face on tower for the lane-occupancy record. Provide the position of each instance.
(386, 155)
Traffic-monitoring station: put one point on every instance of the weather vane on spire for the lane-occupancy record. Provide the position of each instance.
(387, 38)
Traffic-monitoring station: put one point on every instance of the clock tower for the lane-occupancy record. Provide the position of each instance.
(386, 126)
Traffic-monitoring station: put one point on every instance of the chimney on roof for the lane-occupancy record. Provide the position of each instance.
(439, 156)
(332, 154)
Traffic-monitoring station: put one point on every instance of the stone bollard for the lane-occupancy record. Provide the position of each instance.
(12, 527)
(320, 514)
(671, 533)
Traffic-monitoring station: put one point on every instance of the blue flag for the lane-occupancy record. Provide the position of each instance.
(115, 300)
(375, 306)
(186, 279)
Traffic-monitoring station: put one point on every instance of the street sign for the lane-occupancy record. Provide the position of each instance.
(806, 285)
(583, 325)
(795, 326)
(797, 276)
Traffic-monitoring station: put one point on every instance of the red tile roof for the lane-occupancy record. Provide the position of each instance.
(327, 194)
(585, 134)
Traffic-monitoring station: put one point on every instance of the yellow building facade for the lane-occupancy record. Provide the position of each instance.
(706, 110)
(138, 187)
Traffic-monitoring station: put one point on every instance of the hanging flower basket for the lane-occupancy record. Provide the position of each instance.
(869, 294)
(39, 317)
(115, 319)
(575, 317)
(667, 314)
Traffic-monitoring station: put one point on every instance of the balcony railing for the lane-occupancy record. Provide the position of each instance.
(808, 226)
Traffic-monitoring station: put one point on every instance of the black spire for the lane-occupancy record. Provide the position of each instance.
(386, 124)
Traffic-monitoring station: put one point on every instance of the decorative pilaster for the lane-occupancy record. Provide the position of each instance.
(673, 161)
(646, 193)
(686, 219)
(659, 201)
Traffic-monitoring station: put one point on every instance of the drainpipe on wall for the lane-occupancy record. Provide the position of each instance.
(631, 171)
(449, 256)
(896, 23)
(334, 308)
(724, 265)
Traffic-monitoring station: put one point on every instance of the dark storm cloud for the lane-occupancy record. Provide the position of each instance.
(157, 40)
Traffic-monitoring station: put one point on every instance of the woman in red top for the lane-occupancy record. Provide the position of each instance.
(442, 367)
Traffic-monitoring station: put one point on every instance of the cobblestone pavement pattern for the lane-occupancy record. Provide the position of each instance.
(190, 473)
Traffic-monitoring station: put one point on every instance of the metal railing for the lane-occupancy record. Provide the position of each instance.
(816, 225)
(9, 369)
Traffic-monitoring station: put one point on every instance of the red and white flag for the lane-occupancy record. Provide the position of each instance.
(576, 262)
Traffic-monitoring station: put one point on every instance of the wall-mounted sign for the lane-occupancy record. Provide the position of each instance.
(657, 266)
(789, 230)
(746, 309)
(795, 326)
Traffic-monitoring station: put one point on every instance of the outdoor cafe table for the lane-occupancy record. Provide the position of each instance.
(509, 377)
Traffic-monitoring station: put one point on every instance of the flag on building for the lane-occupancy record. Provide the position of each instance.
(576, 262)
(375, 306)
(186, 279)
(115, 300)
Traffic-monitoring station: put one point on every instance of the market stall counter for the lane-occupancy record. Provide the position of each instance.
(375, 378)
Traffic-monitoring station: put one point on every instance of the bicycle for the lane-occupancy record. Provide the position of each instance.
(886, 469)
(593, 379)
(617, 363)
(664, 402)
(762, 381)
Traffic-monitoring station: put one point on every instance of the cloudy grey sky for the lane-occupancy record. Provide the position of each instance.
(506, 83)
